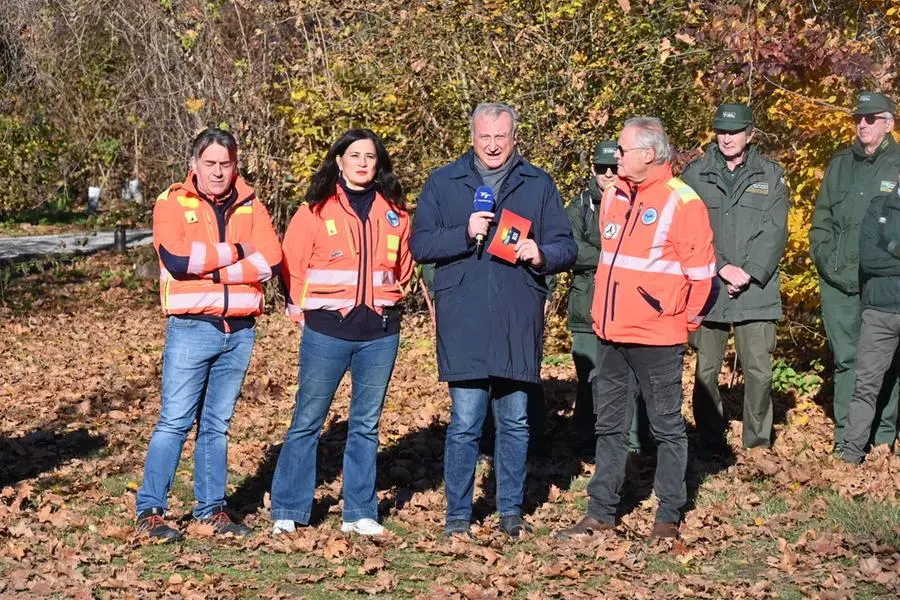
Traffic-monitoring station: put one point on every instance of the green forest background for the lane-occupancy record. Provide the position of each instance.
(96, 92)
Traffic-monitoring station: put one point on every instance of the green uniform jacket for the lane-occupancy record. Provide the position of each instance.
(749, 222)
(852, 180)
(584, 216)
(879, 259)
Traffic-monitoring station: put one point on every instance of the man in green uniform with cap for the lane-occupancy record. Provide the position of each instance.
(747, 199)
(853, 178)
(584, 216)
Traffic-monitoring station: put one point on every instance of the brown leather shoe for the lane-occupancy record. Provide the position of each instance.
(663, 530)
(587, 526)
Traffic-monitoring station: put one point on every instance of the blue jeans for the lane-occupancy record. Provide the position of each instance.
(203, 370)
(323, 362)
(469, 406)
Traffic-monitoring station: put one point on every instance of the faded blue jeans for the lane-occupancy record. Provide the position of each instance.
(323, 362)
(469, 407)
(203, 370)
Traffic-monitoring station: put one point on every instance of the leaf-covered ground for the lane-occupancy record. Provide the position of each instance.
(79, 390)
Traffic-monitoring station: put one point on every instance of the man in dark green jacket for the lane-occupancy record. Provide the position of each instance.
(879, 335)
(584, 217)
(853, 178)
(747, 199)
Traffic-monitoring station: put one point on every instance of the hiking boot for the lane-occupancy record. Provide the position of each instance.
(150, 523)
(662, 530)
(585, 527)
(514, 526)
(457, 527)
(224, 525)
(362, 527)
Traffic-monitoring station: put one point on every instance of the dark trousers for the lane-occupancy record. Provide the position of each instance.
(584, 354)
(876, 361)
(841, 315)
(623, 371)
(754, 342)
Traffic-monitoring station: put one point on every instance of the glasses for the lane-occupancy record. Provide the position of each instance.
(870, 119)
(622, 150)
(601, 169)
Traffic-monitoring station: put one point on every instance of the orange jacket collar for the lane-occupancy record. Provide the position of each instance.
(658, 174)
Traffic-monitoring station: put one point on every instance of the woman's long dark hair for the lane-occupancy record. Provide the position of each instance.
(324, 182)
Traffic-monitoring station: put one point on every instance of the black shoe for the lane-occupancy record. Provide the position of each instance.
(224, 525)
(457, 527)
(150, 523)
(514, 526)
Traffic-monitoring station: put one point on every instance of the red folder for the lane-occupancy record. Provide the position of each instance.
(510, 230)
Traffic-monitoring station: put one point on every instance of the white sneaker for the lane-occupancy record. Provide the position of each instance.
(363, 527)
(283, 526)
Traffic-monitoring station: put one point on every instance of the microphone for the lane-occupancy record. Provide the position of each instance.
(484, 201)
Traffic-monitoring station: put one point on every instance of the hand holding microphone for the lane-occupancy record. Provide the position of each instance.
(482, 216)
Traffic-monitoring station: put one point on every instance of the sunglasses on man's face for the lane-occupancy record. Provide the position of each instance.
(601, 169)
(870, 119)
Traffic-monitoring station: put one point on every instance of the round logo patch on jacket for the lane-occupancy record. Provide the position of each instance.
(649, 217)
(610, 231)
(392, 218)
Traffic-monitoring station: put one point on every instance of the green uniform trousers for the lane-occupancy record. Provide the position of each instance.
(876, 357)
(754, 342)
(584, 353)
(841, 315)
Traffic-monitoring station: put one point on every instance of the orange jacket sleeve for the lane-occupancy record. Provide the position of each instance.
(183, 257)
(693, 242)
(264, 249)
(297, 251)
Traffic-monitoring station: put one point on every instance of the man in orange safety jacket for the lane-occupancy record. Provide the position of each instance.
(216, 247)
(653, 285)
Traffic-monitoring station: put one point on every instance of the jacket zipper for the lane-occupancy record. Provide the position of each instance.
(837, 250)
(612, 311)
(613, 261)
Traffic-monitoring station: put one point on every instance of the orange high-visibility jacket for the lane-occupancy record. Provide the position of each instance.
(212, 264)
(334, 261)
(657, 262)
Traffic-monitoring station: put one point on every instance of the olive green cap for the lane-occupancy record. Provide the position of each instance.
(732, 117)
(605, 153)
(871, 103)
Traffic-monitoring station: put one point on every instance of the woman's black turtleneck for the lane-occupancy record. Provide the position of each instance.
(360, 200)
(362, 323)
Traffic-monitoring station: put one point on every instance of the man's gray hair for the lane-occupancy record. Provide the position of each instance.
(651, 134)
(494, 109)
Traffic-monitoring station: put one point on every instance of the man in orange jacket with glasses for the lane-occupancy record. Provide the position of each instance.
(653, 285)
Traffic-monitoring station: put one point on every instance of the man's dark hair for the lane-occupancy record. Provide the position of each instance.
(210, 136)
(324, 181)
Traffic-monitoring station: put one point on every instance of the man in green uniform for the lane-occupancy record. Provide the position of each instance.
(853, 178)
(879, 334)
(584, 216)
(747, 199)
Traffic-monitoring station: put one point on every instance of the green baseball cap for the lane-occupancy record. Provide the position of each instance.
(604, 153)
(732, 117)
(870, 103)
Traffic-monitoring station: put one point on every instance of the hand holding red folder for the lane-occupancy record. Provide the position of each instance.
(510, 231)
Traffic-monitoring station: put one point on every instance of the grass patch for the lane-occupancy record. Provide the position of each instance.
(557, 360)
(879, 521)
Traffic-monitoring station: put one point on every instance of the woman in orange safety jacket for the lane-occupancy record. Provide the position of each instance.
(346, 259)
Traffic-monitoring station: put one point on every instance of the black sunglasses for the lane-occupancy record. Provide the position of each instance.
(601, 169)
(870, 119)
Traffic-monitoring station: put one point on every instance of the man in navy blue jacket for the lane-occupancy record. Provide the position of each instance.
(490, 313)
